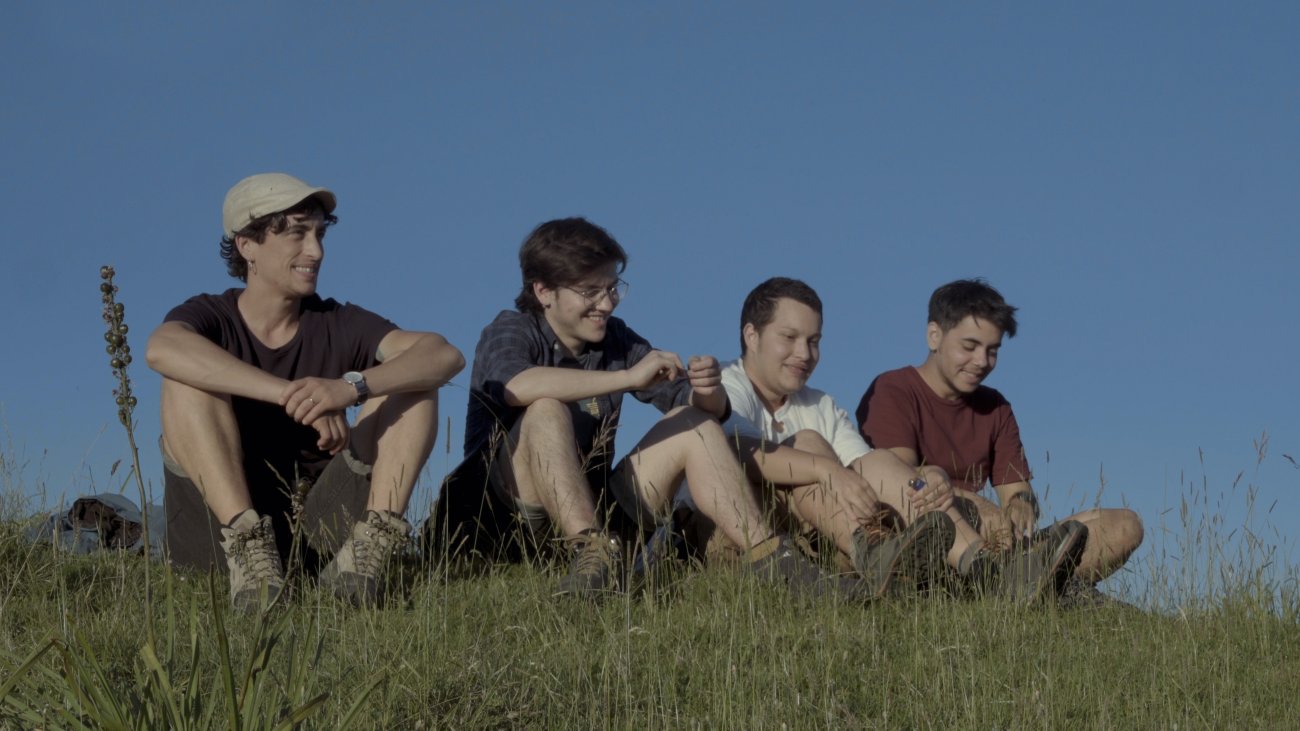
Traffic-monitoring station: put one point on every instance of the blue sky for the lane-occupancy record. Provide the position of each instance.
(1126, 173)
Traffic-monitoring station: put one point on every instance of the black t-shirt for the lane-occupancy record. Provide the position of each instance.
(332, 339)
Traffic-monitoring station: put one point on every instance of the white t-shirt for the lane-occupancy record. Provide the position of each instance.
(806, 410)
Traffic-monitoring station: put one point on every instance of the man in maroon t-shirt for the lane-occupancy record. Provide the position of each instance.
(256, 383)
(941, 414)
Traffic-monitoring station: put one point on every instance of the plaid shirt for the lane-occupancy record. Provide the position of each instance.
(517, 341)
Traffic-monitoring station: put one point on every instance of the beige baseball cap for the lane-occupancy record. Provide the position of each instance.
(267, 193)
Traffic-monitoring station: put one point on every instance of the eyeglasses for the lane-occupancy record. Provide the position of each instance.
(616, 292)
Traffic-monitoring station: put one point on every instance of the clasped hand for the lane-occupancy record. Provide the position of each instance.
(321, 403)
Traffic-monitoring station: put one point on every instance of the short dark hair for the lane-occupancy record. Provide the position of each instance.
(560, 253)
(760, 303)
(257, 230)
(955, 301)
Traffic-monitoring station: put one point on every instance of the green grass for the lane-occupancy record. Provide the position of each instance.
(713, 650)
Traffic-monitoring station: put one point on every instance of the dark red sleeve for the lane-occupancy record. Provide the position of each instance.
(888, 415)
(1008, 462)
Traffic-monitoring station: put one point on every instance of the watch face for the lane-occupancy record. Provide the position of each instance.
(352, 377)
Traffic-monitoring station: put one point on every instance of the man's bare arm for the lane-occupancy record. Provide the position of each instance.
(1023, 511)
(938, 491)
(177, 352)
(788, 466)
(412, 361)
(572, 384)
(707, 392)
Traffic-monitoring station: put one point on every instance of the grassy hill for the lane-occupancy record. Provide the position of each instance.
(711, 649)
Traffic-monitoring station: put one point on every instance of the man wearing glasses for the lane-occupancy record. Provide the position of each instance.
(545, 395)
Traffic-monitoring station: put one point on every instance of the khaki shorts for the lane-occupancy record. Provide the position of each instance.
(329, 507)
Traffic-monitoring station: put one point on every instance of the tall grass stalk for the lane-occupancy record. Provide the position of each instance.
(119, 352)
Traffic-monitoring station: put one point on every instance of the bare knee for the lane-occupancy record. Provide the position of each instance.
(546, 411)
(410, 416)
(810, 441)
(189, 413)
(690, 417)
(545, 423)
(181, 399)
(1127, 527)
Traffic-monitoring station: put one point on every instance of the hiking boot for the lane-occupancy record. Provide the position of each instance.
(597, 560)
(780, 561)
(1027, 575)
(910, 559)
(360, 567)
(256, 575)
(1080, 594)
(654, 560)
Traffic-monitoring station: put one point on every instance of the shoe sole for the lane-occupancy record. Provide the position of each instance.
(250, 601)
(916, 549)
(1062, 563)
(916, 562)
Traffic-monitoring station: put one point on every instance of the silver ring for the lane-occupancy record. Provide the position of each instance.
(312, 400)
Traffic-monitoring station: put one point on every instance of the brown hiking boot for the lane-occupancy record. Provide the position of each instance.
(779, 560)
(1081, 594)
(597, 562)
(359, 569)
(910, 559)
(256, 575)
(1042, 570)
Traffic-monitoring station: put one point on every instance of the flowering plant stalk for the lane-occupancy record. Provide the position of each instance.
(119, 354)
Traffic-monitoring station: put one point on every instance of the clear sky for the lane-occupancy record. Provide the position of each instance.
(1126, 173)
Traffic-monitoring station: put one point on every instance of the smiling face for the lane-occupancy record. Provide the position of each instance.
(962, 357)
(781, 357)
(578, 320)
(287, 263)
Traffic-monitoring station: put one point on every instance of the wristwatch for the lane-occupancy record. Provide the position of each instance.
(358, 382)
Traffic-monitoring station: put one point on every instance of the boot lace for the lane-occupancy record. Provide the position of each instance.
(377, 542)
(255, 549)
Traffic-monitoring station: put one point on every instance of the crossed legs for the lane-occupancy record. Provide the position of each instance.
(1113, 535)
(888, 475)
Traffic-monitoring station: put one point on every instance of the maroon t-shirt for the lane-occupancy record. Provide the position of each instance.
(974, 439)
(332, 339)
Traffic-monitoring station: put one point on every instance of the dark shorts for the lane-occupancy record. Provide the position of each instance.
(331, 505)
(478, 513)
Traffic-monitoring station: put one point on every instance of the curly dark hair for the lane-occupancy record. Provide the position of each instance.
(258, 228)
(561, 252)
(760, 303)
(955, 301)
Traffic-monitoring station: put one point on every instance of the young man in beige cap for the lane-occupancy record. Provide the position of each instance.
(256, 384)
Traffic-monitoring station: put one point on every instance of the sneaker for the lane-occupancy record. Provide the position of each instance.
(1045, 567)
(358, 571)
(912, 558)
(780, 561)
(597, 560)
(256, 575)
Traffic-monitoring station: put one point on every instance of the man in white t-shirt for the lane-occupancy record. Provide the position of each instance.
(827, 479)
